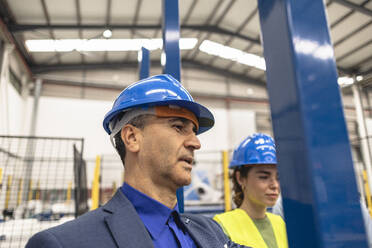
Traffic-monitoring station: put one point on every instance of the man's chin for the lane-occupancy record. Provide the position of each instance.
(184, 182)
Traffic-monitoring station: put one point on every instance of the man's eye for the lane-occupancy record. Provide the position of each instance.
(178, 127)
(263, 177)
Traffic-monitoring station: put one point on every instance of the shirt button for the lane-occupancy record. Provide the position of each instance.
(187, 220)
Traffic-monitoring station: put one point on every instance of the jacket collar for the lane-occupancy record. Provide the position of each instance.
(124, 223)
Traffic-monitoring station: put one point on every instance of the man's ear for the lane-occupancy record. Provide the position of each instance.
(131, 137)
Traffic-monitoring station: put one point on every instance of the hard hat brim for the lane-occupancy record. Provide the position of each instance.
(204, 116)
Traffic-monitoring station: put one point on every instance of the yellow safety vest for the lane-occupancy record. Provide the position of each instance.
(241, 229)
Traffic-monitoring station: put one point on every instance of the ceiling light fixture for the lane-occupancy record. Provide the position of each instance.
(359, 78)
(234, 54)
(345, 81)
(107, 33)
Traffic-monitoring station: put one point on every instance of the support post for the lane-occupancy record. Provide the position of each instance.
(68, 194)
(320, 197)
(29, 160)
(363, 134)
(226, 180)
(30, 193)
(171, 48)
(5, 51)
(95, 185)
(368, 193)
(144, 60)
(8, 191)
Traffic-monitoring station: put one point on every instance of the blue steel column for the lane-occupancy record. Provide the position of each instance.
(171, 48)
(171, 36)
(144, 70)
(320, 197)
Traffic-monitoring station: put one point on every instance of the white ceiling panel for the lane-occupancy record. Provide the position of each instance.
(37, 35)
(202, 11)
(121, 34)
(239, 68)
(43, 58)
(253, 28)
(256, 49)
(61, 12)
(240, 44)
(144, 34)
(122, 12)
(184, 7)
(155, 54)
(238, 14)
(66, 34)
(93, 11)
(71, 57)
(222, 63)
(221, 39)
(94, 57)
(33, 13)
(366, 66)
(151, 12)
(358, 2)
(92, 33)
(256, 73)
(132, 56)
(116, 56)
(203, 57)
(349, 25)
(335, 11)
(221, 11)
(368, 5)
(357, 57)
(354, 41)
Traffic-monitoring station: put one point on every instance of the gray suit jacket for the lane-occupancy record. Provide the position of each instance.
(117, 224)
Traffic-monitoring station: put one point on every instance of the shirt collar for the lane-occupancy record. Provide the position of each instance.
(153, 214)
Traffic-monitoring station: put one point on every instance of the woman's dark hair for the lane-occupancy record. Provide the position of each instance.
(139, 122)
(238, 194)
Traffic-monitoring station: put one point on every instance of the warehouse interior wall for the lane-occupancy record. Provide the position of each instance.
(65, 110)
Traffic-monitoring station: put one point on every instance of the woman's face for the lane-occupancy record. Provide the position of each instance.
(261, 186)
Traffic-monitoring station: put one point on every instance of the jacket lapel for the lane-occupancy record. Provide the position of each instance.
(124, 223)
(201, 236)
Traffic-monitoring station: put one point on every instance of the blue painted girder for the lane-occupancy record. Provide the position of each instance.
(320, 197)
(171, 48)
(144, 70)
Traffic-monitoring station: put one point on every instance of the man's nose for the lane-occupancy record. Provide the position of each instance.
(193, 142)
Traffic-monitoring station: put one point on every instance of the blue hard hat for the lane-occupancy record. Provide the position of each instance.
(258, 148)
(157, 91)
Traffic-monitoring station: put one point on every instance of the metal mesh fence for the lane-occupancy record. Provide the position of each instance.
(38, 178)
(112, 176)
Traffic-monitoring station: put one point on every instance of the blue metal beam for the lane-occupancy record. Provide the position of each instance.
(320, 197)
(171, 49)
(171, 36)
(144, 69)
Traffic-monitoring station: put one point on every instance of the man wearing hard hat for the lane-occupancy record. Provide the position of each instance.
(153, 125)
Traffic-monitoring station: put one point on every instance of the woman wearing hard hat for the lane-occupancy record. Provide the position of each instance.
(256, 187)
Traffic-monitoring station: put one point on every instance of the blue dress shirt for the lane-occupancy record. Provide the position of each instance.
(163, 224)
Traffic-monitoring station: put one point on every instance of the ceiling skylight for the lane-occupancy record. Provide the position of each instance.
(234, 54)
(95, 45)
